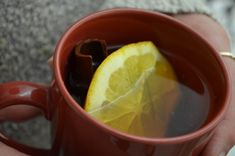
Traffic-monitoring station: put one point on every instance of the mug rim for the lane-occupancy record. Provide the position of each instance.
(164, 140)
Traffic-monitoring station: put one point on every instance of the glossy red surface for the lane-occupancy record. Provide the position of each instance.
(76, 133)
(14, 93)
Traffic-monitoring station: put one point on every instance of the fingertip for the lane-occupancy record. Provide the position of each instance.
(50, 62)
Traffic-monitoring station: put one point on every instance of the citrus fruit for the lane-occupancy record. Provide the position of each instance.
(133, 90)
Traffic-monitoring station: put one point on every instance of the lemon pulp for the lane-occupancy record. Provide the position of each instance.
(134, 90)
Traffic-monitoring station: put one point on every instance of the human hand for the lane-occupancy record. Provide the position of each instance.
(224, 136)
(21, 113)
(8, 151)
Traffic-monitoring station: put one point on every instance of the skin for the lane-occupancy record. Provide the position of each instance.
(224, 136)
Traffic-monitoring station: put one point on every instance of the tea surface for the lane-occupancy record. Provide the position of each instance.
(192, 106)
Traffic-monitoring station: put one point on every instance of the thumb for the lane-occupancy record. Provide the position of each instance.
(6, 150)
(222, 140)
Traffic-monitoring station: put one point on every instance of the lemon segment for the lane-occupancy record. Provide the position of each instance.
(127, 89)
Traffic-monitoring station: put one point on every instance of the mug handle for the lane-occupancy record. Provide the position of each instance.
(15, 93)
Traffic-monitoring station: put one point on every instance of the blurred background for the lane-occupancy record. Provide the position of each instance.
(44, 21)
(224, 11)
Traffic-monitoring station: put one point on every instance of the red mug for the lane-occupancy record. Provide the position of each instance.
(74, 132)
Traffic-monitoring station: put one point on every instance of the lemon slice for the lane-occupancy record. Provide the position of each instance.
(133, 90)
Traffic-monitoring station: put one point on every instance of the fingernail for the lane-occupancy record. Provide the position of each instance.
(222, 154)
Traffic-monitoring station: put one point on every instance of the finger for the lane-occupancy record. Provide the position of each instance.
(8, 151)
(222, 141)
(209, 29)
(50, 62)
(18, 113)
(230, 65)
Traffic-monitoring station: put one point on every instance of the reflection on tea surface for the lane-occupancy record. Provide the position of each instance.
(191, 111)
(191, 100)
(193, 108)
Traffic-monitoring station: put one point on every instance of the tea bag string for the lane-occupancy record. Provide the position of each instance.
(228, 54)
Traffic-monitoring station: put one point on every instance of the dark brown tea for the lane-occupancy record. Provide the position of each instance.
(192, 108)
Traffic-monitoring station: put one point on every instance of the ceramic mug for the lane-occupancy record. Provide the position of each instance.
(75, 133)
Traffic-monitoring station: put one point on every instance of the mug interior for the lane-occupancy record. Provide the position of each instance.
(123, 26)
